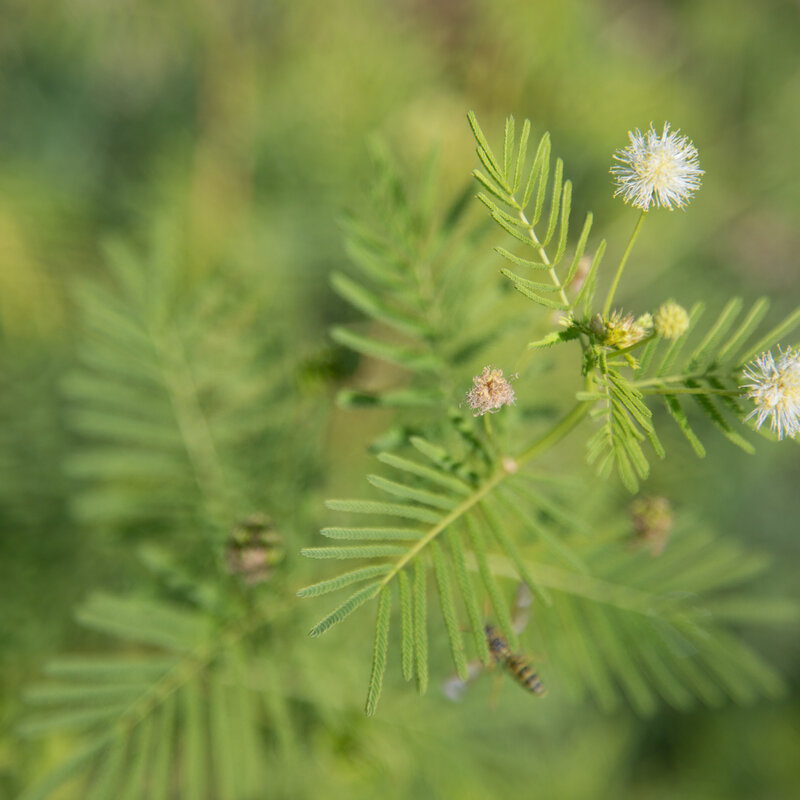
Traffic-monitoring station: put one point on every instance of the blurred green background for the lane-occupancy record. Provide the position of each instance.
(241, 128)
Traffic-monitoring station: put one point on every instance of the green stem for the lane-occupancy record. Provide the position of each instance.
(194, 426)
(491, 443)
(640, 343)
(455, 514)
(666, 390)
(542, 253)
(683, 390)
(556, 433)
(613, 289)
(669, 379)
(545, 260)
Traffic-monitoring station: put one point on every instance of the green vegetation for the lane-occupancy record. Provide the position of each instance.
(244, 263)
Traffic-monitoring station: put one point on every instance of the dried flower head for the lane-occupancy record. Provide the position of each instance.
(774, 388)
(490, 392)
(620, 330)
(657, 170)
(671, 320)
(253, 548)
(581, 273)
(652, 522)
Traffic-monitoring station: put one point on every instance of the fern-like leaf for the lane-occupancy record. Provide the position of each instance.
(449, 610)
(709, 372)
(511, 212)
(149, 715)
(626, 423)
(406, 249)
(380, 650)
(167, 397)
(616, 623)
(420, 627)
(406, 626)
(625, 631)
(340, 581)
(468, 595)
(353, 602)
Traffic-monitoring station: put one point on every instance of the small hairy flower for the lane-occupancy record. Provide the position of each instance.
(671, 320)
(490, 392)
(652, 522)
(619, 330)
(774, 388)
(657, 170)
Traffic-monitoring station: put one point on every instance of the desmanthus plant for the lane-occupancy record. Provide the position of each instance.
(462, 509)
(204, 687)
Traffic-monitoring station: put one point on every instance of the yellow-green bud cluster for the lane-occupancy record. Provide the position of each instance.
(671, 320)
(620, 330)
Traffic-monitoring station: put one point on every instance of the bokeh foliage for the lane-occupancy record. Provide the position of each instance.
(230, 137)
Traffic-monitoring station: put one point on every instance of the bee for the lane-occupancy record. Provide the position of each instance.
(516, 664)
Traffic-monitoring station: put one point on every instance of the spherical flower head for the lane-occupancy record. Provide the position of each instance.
(671, 320)
(490, 392)
(774, 388)
(657, 170)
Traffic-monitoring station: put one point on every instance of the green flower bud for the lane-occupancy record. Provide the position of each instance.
(671, 320)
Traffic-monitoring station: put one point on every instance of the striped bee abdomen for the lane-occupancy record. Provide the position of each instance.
(524, 674)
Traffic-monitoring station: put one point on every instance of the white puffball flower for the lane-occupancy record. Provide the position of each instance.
(774, 387)
(657, 170)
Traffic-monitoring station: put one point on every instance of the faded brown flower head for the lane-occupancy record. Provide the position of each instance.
(490, 392)
(620, 330)
(253, 548)
(580, 274)
(652, 522)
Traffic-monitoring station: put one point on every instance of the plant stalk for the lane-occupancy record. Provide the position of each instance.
(623, 260)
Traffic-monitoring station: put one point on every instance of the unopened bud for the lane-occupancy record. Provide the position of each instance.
(671, 320)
